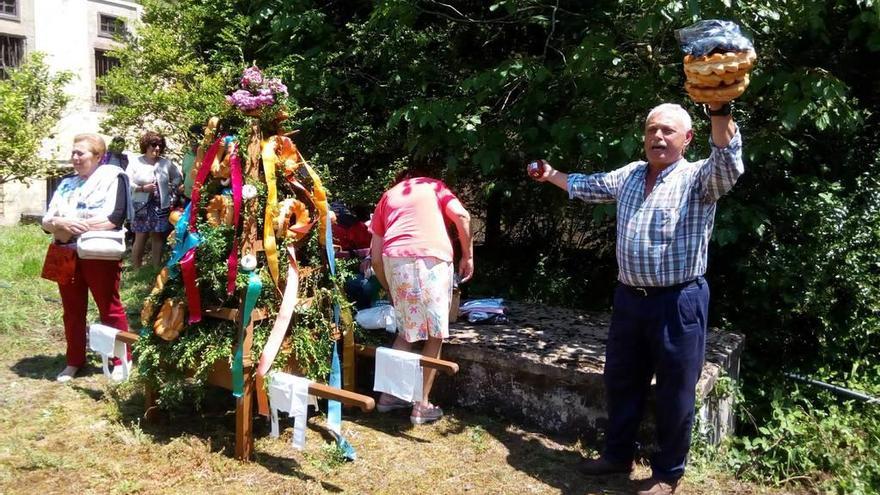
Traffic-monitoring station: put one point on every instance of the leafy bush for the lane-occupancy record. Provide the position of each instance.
(805, 439)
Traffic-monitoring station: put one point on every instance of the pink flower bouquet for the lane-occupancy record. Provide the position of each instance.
(257, 92)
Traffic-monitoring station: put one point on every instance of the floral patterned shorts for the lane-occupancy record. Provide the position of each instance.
(422, 291)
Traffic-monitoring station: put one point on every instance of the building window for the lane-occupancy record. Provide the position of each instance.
(9, 8)
(11, 53)
(110, 27)
(103, 63)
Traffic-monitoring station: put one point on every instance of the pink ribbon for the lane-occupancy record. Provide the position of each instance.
(193, 299)
(200, 179)
(232, 261)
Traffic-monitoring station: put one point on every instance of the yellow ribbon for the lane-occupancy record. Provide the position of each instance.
(270, 161)
(319, 195)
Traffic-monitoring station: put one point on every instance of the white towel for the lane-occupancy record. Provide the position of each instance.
(290, 394)
(102, 339)
(398, 373)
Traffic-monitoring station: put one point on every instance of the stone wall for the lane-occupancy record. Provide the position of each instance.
(544, 369)
(18, 198)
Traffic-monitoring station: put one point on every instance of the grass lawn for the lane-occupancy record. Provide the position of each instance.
(87, 436)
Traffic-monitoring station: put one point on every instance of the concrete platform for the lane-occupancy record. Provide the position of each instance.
(544, 369)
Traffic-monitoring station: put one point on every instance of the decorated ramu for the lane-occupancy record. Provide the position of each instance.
(249, 250)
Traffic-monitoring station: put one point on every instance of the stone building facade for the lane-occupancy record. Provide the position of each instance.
(75, 35)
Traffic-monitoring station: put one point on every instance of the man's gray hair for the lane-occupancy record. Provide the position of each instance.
(674, 109)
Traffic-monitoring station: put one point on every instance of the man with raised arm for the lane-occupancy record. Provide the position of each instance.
(665, 216)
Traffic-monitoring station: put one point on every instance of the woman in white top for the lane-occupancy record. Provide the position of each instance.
(95, 198)
(154, 183)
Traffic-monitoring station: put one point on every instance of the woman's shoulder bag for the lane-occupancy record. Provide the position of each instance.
(101, 245)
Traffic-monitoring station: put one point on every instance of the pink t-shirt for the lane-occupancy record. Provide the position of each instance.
(410, 219)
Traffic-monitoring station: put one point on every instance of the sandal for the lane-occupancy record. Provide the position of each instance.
(67, 374)
(425, 414)
(118, 374)
(389, 402)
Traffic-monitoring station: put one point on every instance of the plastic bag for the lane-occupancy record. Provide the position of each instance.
(484, 311)
(377, 317)
(704, 37)
(488, 305)
(484, 317)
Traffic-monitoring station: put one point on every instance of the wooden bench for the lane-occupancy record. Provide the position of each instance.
(221, 376)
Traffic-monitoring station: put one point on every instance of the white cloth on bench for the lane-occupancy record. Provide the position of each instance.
(102, 339)
(290, 394)
(398, 373)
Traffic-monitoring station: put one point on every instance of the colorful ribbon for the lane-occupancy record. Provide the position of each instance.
(204, 170)
(238, 371)
(187, 239)
(334, 410)
(184, 254)
(319, 196)
(184, 241)
(334, 407)
(193, 299)
(232, 260)
(279, 329)
(250, 301)
(270, 162)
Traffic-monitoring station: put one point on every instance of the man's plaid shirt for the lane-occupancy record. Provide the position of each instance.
(663, 239)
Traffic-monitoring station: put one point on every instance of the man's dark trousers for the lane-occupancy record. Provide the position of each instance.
(658, 332)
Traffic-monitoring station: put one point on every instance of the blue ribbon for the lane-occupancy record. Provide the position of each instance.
(255, 285)
(238, 372)
(184, 241)
(334, 408)
(328, 243)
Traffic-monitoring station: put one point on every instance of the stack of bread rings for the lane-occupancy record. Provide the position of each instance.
(718, 77)
(169, 323)
(219, 210)
(147, 310)
(293, 220)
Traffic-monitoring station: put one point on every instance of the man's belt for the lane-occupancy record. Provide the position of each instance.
(653, 291)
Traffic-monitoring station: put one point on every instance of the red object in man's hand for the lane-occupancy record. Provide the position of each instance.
(536, 168)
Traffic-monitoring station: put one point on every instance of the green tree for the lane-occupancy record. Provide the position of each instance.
(32, 100)
(163, 81)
